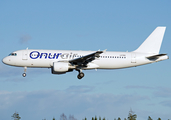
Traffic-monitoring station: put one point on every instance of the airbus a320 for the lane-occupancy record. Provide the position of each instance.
(63, 61)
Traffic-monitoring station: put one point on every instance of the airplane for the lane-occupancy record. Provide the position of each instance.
(63, 61)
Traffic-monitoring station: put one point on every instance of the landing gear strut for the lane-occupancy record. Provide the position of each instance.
(80, 75)
(24, 74)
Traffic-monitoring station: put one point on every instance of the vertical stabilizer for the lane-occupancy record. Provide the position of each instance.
(153, 43)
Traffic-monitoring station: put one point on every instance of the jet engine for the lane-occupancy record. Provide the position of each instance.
(60, 68)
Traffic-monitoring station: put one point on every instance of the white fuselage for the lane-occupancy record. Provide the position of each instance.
(62, 61)
(107, 60)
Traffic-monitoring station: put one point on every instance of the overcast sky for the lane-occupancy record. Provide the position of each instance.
(84, 25)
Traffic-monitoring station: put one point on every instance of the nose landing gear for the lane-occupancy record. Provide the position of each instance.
(24, 74)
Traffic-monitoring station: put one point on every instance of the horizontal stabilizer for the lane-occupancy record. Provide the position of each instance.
(155, 57)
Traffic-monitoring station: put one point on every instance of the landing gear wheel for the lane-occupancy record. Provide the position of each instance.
(80, 75)
(24, 74)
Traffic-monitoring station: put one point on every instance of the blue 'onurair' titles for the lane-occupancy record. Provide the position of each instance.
(36, 54)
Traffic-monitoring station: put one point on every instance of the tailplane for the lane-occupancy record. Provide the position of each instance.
(153, 43)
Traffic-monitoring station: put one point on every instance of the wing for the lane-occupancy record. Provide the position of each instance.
(83, 61)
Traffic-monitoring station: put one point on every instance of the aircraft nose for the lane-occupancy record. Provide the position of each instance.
(5, 60)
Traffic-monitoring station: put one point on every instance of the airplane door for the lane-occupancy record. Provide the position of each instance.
(133, 58)
(25, 55)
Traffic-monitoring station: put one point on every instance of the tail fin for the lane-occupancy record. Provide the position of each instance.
(153, 43)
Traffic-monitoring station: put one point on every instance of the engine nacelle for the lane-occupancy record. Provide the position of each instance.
(60, 68)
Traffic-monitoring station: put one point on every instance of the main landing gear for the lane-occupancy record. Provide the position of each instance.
(80, 75)
(24, 74)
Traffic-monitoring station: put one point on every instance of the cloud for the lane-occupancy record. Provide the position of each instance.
(137, 87)
(76, 100)
(24, 39)
(49, 103)
(78, 89)
(164, 92)
(166, 103)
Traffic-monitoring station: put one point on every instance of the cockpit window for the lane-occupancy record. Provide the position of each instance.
(13, 54)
